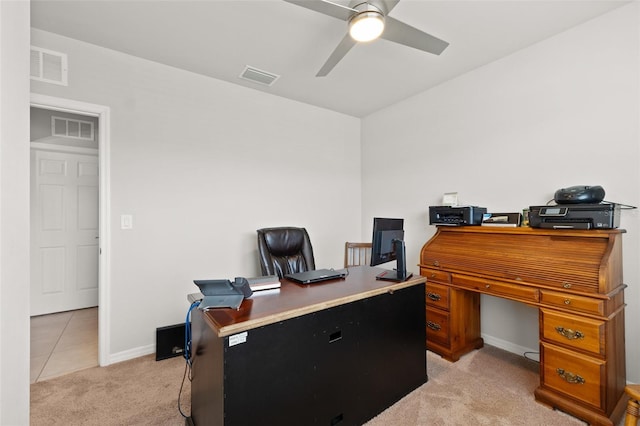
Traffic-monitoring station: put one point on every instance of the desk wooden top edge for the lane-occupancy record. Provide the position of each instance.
(532, 231)
(223, 331)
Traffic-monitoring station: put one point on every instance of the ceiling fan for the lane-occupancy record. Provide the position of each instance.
(369, 20)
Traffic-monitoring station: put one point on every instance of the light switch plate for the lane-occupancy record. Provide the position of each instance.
(126, 221)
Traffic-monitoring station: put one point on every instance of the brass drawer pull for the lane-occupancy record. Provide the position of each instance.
(570, 377)
(566, 284)
(487, 286)
(434, 296)
(434, 326)
(567, 301)
(569, 333)
(436, 263)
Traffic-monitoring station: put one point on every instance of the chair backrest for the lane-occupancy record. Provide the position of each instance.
(356, 254)
(633, 405)
(285, 250)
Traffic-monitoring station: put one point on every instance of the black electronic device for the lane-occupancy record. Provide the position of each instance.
(456, 215)
(575, 216)
(388, 245)
(579, 195)
(316, 275)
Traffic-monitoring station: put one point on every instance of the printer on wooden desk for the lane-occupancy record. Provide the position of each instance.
(575, 216)
(456, 215)
(577, 207)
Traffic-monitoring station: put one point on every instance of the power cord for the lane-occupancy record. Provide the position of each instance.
(187, 333)
(622, 206)
(346, 271)
(180, 392)
(186, 354)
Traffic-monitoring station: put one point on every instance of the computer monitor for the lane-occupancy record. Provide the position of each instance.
(388, 245)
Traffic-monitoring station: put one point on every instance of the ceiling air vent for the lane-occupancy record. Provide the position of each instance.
(48, 66)
(259, 76)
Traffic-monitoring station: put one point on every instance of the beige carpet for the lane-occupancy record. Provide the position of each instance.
(486, 387)
(141, 391)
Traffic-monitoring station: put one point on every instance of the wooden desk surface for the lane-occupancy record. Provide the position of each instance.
(293, 300)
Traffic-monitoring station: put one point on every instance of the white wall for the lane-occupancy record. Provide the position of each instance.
(505, 136)
(14, 213)
(201, 164)
(560, 113)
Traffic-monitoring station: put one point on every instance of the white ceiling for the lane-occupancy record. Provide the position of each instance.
(218, 38)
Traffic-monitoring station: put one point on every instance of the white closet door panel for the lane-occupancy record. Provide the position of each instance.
(64, 228)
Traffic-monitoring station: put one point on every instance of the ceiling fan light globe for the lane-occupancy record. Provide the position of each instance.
(366, 26)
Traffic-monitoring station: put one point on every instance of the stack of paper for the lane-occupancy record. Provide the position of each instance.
(268, 282)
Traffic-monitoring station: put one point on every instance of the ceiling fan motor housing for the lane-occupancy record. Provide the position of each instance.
(367, 24)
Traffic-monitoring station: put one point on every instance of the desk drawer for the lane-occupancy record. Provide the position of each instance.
(572, 302)
(573, 374)
(435, 275)
(437, 295)
(509, 291)
(568, 330)
(438, 326)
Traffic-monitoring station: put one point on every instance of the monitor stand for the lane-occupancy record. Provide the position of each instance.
(400, 274)
(393, 276)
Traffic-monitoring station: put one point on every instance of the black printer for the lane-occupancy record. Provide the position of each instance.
(575, 216)
(456, 215)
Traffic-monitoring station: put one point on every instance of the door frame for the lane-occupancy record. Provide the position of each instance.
(104, 200)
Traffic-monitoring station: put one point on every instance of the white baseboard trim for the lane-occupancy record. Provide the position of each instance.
(132, 353)
(489, 340)
(533, 354)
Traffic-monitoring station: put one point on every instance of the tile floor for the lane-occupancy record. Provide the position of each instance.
(63, 342)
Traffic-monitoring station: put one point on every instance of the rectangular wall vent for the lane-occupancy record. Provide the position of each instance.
(70, 128)
(48, 66)
(259, 76)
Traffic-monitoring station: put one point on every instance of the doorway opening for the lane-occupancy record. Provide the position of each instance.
(70, 213)
(64, 242)
(64, 211)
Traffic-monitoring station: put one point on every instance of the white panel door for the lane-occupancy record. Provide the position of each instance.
(64, 231)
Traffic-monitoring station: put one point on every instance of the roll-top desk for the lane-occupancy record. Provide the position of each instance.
(574, 277)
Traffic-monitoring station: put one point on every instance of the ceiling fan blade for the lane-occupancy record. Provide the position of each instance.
(401, 33)
(345, 45)
(326, 7)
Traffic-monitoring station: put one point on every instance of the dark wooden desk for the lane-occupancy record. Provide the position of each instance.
(333, 353)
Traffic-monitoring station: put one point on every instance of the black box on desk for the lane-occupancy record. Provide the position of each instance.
(456, 215)
(501, 219)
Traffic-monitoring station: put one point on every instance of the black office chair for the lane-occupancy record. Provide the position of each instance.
(285, 250)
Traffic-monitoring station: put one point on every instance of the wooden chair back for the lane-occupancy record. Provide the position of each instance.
(633, 407)
(357, 254)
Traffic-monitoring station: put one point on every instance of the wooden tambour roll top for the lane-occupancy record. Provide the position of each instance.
(573, 262)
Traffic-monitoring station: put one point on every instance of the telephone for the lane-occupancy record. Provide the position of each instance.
(241, 283)
(223, 293)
